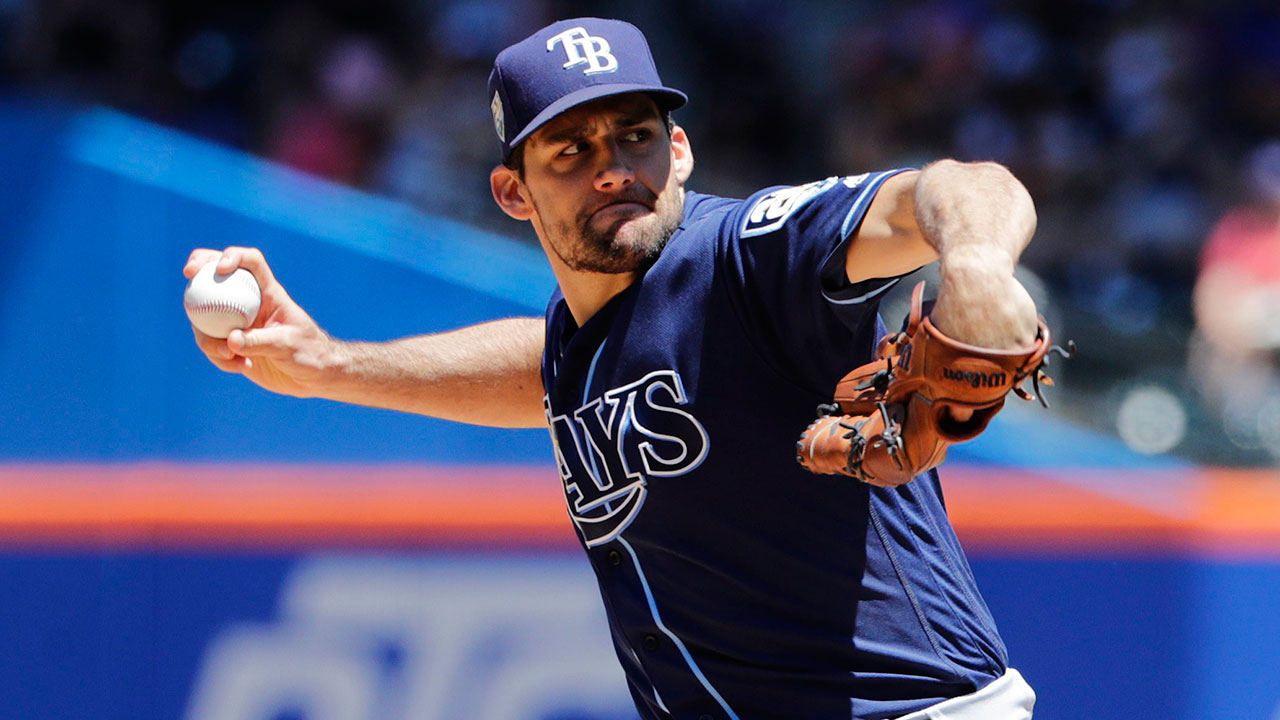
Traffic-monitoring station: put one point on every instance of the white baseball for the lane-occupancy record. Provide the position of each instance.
(218, 304)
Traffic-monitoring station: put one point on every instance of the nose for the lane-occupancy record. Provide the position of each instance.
(615, 172)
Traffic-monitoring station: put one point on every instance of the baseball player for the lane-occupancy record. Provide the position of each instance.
(680, 360)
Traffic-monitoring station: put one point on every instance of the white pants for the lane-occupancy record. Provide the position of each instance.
(1008, 698)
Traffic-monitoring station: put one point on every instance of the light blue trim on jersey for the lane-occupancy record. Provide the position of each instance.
(591, 372)
(658, 696)
(864, 198)
(860, 206)
(865, 297)
(586, 391)
(657, 619)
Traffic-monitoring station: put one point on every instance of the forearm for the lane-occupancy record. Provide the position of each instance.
(979, 218)
(486, 374)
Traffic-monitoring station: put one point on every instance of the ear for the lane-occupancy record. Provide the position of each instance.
(681, 154)
(508, 192)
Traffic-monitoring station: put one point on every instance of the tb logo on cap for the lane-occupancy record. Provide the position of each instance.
(579, 48)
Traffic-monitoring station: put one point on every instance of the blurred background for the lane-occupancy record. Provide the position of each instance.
(180, 544)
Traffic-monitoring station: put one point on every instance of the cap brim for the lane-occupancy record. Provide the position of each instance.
(667, 99)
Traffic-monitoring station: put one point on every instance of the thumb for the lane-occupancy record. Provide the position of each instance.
(261, 342)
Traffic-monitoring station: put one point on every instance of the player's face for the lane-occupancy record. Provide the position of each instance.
(603, 185)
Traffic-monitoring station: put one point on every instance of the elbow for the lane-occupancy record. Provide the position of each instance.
(998, 189)
(1022, 208)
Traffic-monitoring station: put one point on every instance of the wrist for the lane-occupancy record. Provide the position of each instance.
(975, 262)
(327, 367)
(339, 361)
(984, 306)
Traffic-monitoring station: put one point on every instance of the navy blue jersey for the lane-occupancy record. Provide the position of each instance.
(737, 584)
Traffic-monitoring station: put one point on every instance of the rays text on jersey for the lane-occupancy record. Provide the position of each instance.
(609, 448)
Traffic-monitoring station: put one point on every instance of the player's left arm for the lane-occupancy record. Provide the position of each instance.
(976, 219)
(896, 416)
(889, 243)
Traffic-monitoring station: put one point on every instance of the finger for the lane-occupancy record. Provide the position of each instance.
(198, 259)
(217, 352)
(236, 365)
(214, 348)
(250, 259)
(262, 342)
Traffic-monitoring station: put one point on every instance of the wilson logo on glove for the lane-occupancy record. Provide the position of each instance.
(891, 421)
(975, 379)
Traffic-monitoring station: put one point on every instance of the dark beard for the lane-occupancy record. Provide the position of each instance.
(601, 254)
(599, 251)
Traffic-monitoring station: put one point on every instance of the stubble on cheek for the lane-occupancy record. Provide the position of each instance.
(633, 243)
(594, 243)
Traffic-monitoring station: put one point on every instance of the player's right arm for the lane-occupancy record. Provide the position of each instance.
(487, 374)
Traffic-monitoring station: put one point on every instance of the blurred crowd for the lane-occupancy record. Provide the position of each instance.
(1147, 131)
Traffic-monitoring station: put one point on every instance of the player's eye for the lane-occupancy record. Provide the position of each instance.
(637, 135)
(573, 149)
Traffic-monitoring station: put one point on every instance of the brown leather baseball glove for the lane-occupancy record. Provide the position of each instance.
(895, 417)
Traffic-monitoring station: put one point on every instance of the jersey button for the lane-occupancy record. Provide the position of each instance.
(650, 642)
(615, 558)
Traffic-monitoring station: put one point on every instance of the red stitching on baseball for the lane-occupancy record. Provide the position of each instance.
(218, 307)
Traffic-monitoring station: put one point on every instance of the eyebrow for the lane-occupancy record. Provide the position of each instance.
(574, 132)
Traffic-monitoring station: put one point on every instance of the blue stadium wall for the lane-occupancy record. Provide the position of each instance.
(173, 544)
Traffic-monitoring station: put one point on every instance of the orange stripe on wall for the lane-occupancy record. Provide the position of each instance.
(269, 506)
(1199, 511)
(288, 506)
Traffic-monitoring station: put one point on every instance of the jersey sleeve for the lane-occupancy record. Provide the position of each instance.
(784, 261)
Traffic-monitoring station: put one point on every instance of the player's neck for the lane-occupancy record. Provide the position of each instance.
(586, 293)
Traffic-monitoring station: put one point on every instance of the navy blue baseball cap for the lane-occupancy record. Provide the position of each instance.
(567, 64)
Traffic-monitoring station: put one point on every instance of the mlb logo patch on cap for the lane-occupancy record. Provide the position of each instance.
(567, 64)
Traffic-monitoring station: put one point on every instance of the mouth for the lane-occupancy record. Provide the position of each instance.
(623, 206)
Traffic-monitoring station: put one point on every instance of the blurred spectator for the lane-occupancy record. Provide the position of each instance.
(108, 53)
(336, 131)
(1236, 298)
(1130, 122)
(442, 141)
